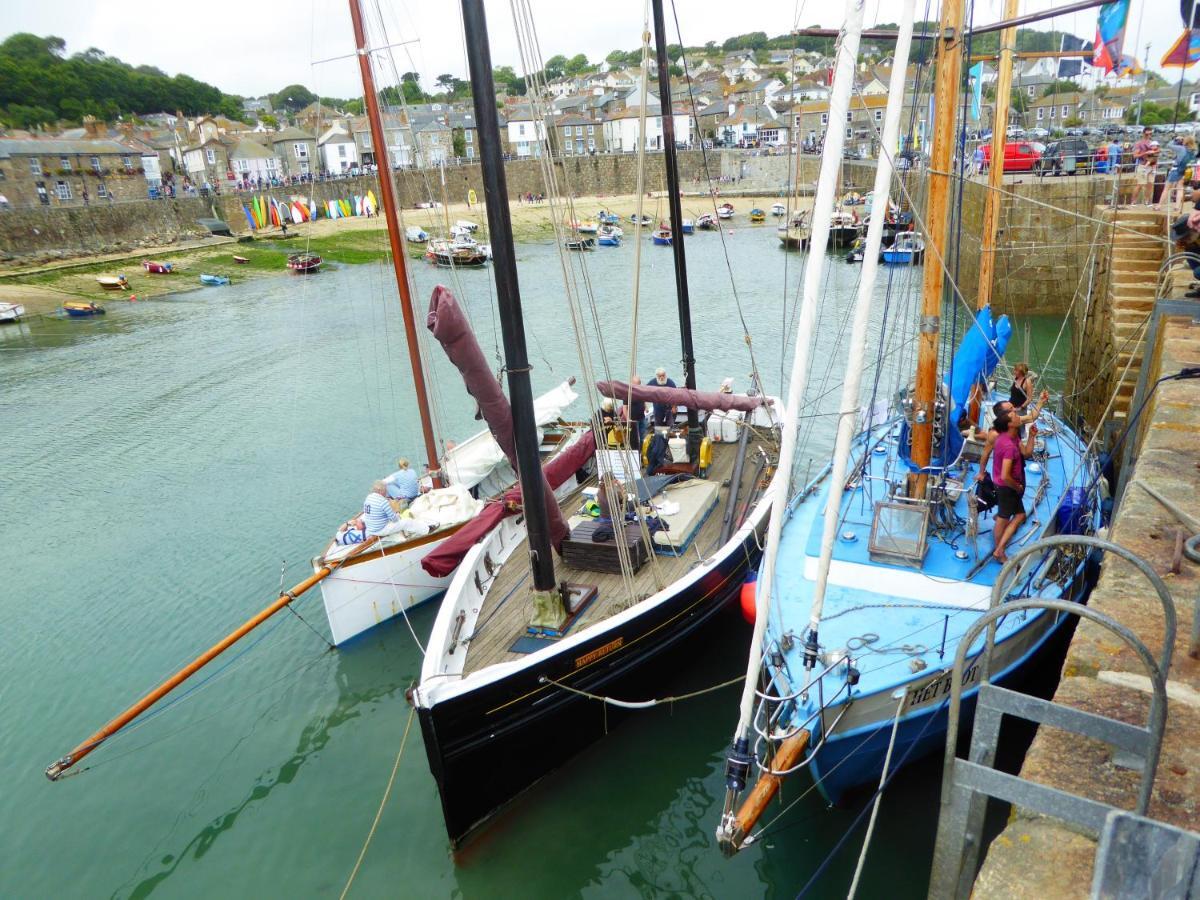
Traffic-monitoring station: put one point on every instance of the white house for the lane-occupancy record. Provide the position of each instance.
(525, 134)
(339, 152)
(622, 129)
(250, 159)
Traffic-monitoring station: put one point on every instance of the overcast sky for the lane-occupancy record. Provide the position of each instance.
(257, 47)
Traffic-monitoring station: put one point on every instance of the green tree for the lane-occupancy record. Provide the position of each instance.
(458, 142)
(616, 59)
(577, 64)
(1159, 113)
(675, 70)
(446, 82)
(293, 98)
(556, 67)
(1061, 86)
(269, 120)
(1017, 101)
(354, 107)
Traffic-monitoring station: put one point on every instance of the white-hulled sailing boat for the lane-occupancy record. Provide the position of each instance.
(524, 641)
(873, 572)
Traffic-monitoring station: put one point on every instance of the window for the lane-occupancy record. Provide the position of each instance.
(1031, 90)
(101, 191)
(470, 151)
(301, 151)
(566, 131)
(849, 116)
(211, 156)
(849, 133)
(824, 118)
(469, 136)
(579, 145)
(271, 165)
(304, 167)
(591, 130)
(1064, 111)
(63, 190)
(64, 163)
(567, 146)
(658, 122)
(1053, 110)
(1040, 111)
(95, 162)
(366, 141)
(591, 143)
(341, 151)
(35, 167)
(127, 162)
(521, 129)
(879, 115)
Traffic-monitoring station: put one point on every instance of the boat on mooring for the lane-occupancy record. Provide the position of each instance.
(609, 236)
(778, 209)
(462, 252)
(687, 226)
(725, 211)
(214, 280)
(581, 244)
(706, 222)
(113, 282)
(844, 229)
(157, 268)
(82, 309)
(303, 263)
(662, 236)
(908, 248)
(11, 312)
(415, 234)
(757, 216)
(876, 568)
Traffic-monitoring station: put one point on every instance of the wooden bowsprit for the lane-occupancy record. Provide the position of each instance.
(55, 770)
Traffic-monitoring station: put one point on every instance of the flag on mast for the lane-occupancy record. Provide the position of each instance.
(976, 73)
(1110, 35)
(1185, 51)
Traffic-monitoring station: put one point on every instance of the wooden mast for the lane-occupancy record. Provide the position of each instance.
(992, 202)
(946, 93)
(399, 259)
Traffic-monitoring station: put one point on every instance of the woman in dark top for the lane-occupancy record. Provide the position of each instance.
(1022, 386)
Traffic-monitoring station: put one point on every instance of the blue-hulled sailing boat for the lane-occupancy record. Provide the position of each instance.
(875, 569)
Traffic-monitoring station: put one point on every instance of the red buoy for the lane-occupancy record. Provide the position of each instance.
(748, 599)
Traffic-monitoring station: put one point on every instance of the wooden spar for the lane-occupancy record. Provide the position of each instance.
(767, 787)
(399, 259)
(55, 769)
(992, 202)
(1033, 54)
(946, 90)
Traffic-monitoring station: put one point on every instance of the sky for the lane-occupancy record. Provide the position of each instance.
(257, 47)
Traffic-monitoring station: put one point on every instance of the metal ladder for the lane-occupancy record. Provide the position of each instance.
(967, 784)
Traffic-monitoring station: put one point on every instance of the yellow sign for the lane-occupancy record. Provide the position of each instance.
(599, 652)
(471, 199)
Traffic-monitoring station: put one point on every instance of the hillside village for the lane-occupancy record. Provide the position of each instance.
(762, 99)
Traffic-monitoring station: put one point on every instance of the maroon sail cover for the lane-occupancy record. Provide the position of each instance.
(445, 559)
(448, 324)
(649, 393)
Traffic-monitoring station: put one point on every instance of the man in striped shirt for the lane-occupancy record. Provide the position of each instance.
(378, 514)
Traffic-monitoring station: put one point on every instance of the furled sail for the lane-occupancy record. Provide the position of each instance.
(648, 393)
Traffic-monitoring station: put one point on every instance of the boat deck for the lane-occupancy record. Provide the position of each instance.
(508, 606)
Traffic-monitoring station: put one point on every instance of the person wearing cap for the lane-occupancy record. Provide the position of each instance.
(1145, 161)
(663, 412)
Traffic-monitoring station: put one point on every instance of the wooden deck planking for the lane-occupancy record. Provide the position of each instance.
(508, 606)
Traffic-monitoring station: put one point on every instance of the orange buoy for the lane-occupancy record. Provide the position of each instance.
(747, 599)
(132, 298)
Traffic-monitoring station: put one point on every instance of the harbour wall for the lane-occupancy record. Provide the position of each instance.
(1036, 855)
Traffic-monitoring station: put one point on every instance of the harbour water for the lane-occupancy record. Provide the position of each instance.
(167, 467)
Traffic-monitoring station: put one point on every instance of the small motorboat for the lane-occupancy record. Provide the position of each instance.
(113, 282)
(778, 209)
(687, 226)
(907, 249)
(857, 251)
(453, 254)
(241, 260)
(460, 233)
(82, 309)
(581, 244)
(646, 220)
(467, 225)
(725, 211)
(157, 268)
(214, 280)
(757, 216)
(11, 312)
(588, 227)
(608, 218)
(304, 263)
(415, 234)
(662, 236)
(609, 236)
(706, 222)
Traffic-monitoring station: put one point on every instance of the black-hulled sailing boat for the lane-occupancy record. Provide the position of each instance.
(521, 639)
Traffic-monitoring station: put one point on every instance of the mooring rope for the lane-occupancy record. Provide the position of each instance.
(379, 812)
(887, 761)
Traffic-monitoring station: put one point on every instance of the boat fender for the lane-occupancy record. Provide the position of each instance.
(705, 455)
(747, 597)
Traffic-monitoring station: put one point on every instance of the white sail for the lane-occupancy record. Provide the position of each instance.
(839, 105)
(862, 308)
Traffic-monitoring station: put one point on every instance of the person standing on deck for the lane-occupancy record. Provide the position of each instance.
(1008, 473)
(664, 413)
(403, 484)
(637, 418)
(1022, 386)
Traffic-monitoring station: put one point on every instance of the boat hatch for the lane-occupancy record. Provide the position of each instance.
(899, 532)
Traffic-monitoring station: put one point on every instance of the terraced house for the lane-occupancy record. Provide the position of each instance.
(70, 172)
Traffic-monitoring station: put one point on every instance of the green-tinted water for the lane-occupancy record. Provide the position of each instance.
(160, 465)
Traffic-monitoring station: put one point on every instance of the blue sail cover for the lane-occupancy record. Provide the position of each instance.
(976, 359)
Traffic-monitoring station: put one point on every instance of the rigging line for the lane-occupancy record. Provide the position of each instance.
(887, 760)
(387, 791)
(640, 704)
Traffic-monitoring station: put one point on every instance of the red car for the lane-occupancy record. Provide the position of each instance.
(1019, 156)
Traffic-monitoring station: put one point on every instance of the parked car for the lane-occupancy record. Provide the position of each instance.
(1037, 133)
(1067, 157)
(1014, 131)
(1019, 156)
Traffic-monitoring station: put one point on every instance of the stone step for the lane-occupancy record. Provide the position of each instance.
(1133, 251)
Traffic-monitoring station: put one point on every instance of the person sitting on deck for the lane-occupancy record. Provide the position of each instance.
(612, 421)
(378, 514)
(403, 484)
(664, 413)
(1008, 472)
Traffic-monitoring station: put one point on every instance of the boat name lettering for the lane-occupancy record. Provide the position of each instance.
(581, 661)
(937, 688)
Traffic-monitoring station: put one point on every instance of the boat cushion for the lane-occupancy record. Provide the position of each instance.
(696, 498)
